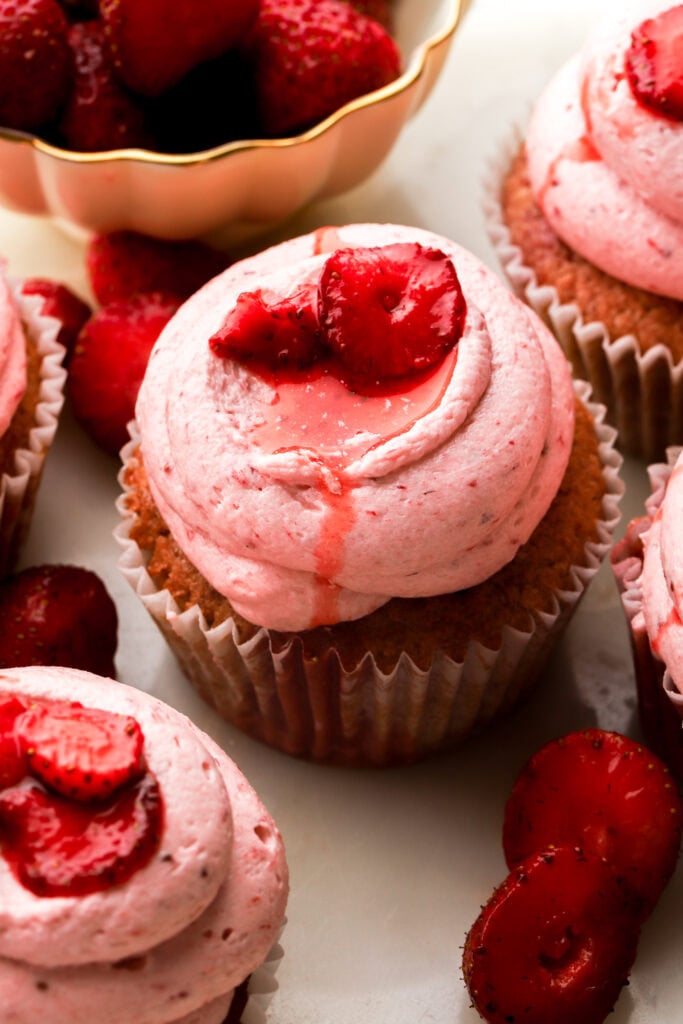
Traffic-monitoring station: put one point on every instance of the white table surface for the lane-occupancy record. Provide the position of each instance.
(389, 868)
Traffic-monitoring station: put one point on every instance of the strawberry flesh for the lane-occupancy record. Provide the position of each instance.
(607, 794)
(13, 763)
(555, 943)
(82, 753)
(57, 615)
(56, 847)
(390, 311)
(267, 329)
(654, 63)
(109, 362)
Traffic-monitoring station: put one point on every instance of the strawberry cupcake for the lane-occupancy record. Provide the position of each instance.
(362, 496)
(122, 898)
(31, 395)
(587, 218)
(647, 566)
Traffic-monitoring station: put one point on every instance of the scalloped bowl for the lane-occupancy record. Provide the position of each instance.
(242, 186)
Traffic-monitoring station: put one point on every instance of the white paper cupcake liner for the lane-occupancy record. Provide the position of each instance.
(19, 484)
(642, 391)
(318, 708)
(657, 692)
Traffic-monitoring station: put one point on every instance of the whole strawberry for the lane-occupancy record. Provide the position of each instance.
(154, 44)
(380, 10)
(64, 305)
(109, 363)
(35, 62)
(313, 56)
(122, 264)
(100, 113)
(57, 615)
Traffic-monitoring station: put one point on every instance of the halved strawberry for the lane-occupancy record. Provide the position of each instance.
(59, 848)
(553, 945)
(122, 264)
(13, 764)
(606, 794)
(654, 63)
(277, 331)
(83, 753)
(391, 310)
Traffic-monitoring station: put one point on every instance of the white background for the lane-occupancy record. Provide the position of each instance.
(389, 868)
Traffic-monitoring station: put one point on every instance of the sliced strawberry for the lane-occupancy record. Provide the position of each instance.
(553, 945)
(100, 113)
(654, 63)
(391, 310)
(109, 362)
(153, 47)
(122, 264)
(82, 753)
(276, 331)
(312, 56)
(59, 848)
(64, 305)
(35, 62)
(608, 795)
(13, 764)
(57, 615)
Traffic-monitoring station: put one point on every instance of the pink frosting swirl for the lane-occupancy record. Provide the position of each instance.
(606, 170)
(299, 520)
(172, 942)
(12, 356)
(662, 578)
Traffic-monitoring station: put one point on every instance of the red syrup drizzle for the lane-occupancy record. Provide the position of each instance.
(56, 846)
(315, 412)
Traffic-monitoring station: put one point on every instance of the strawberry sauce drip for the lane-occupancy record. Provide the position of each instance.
(56, 845)
(326, 240)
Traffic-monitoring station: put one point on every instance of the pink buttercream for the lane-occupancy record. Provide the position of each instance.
(605, 170)
(12, 357)
(662, 578)
(191, 925)
(299, 520)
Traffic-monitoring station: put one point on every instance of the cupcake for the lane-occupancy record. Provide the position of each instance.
(31, 395)
(141, 877)
(362, 497)
(587, 219)
(647, 565)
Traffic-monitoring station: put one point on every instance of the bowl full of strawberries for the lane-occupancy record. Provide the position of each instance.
(188, 119)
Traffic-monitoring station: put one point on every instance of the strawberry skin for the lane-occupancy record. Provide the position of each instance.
(654, 63)
(313, 56)
(57, 615)
(607, 794)
(153, 47)
(81, 753)
(64, 305)
(554, 944)
(122, 264)
(100, 113)
(391, 310)
(109, 362)
(35, 62)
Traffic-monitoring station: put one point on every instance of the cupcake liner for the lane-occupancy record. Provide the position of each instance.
(19, 483)
(642, 391)
(660, 705)
(319, 709)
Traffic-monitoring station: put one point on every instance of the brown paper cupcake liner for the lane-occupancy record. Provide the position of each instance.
(660, 705)
(319, 709)
(19, 483)
(642, 391)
